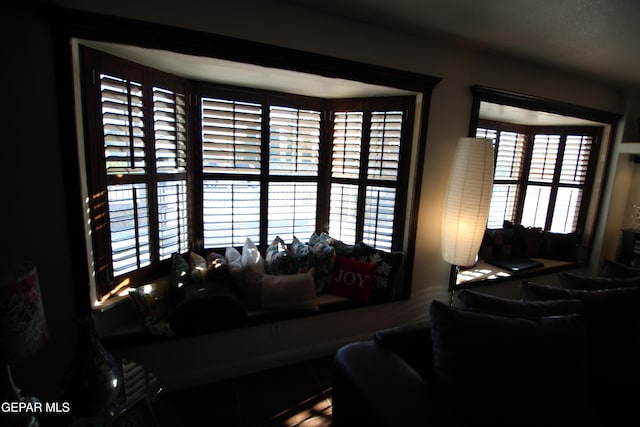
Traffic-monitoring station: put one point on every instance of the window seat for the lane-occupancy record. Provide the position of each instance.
(484, 273)
(120, 326)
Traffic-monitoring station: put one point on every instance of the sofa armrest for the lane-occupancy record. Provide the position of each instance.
(373, 386)
(412, 343)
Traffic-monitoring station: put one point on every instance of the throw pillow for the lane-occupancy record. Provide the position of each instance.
(618, 270)
(180, 273)
(352, 279)
(511, 307)
(559, 246)
(218, 267)
(386, 276)
(198, 267)
(286, 292)
(251, 257)
(324, 258)
(151, 302)
(302, 255)
(509, 365)
(234, 260)
(277, 258)
(527, 241)
(577, 281)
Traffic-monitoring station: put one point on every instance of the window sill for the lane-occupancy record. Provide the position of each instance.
(484, 274)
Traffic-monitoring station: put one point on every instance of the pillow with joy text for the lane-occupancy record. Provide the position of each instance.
(352, 279)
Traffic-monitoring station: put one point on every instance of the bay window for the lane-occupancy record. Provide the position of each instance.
(176, 165)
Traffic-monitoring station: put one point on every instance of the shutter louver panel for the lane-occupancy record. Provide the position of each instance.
(294, 141)
(343, 212)
(384, 145)
(503, 204)
(122, 122)
(576, 159)
(129, 224)
(292, 210)
(347, 141)
(378, 217)
(172, 218)
(566, 210)
(169, 124)
(510, 154)
(231, 212)
(536, 206)
(231, 136)
(543, 157)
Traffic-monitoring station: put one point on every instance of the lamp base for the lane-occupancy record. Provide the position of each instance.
(453, 280)
(10, 393)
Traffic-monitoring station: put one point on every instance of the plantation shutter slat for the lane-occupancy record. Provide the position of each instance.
(231, 136)
(122, 123)
(292, 210)
(379, 216)
(343, 212)
(231, 212)
(129, 224)
(384, 145)
(347, 142)
(543, 157)
(294, 141)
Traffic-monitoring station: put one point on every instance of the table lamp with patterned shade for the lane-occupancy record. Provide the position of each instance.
(23, 327)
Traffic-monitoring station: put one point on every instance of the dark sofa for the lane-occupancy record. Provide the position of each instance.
(558, 356)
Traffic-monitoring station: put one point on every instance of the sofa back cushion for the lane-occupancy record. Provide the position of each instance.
(506, 371)
(577, 281)
(476, 301)
(613, 330)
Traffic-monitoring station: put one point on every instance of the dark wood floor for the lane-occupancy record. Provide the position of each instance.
(295, 395)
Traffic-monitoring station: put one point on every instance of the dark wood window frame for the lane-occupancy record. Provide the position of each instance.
(522, 181)
(69, 24)
(99, 67)
(508, 98)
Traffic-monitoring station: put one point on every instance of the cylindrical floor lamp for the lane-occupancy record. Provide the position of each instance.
(467, 202)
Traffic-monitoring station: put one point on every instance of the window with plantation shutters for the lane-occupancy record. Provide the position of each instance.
(365, 167)
(541, 175)
(176, 166)
(138, 170)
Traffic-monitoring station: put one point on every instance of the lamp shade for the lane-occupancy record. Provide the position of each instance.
(23, 327)
(466, 208)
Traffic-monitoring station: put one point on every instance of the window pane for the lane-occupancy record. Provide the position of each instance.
(384, 145)
(576, 159)
(169, 126)
(503, 204)
(294, 141)
(543, 157)
(172, 218)
(343, 212)
(129, 223)
(231, 136)
(536, 205)
(567, 207)
(292, 210)
(231, 212)
(487, 133)
(122, 122)
(378, 217)
(347, 141)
